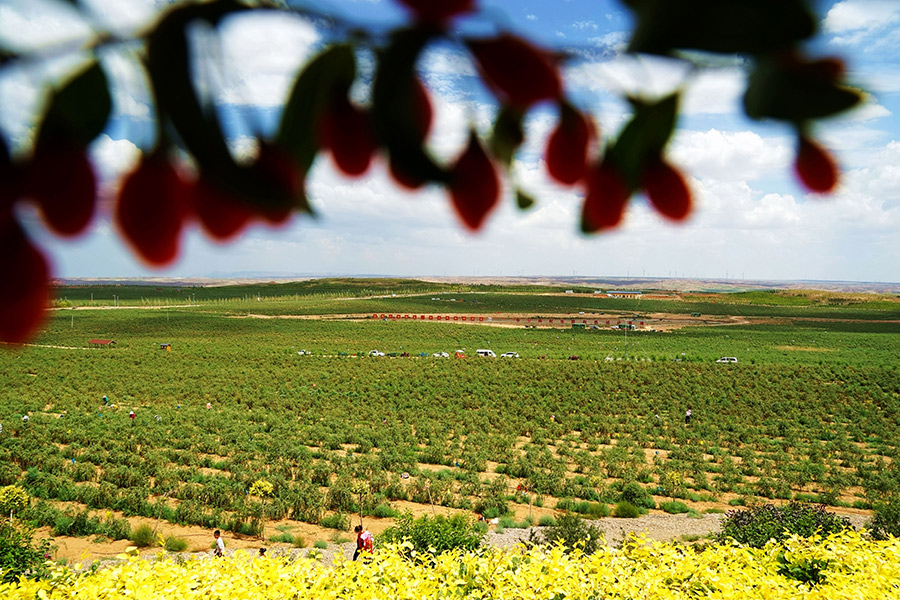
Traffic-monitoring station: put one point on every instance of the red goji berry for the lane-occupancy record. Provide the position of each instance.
(605, 198)
(666, 190)
(474, 186)
(151, 209)
(519, 72)
(61, 180)
(815, 166)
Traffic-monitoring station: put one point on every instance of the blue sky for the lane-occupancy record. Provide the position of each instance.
(751, 219)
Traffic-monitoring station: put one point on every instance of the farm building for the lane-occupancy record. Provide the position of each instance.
(97, 343)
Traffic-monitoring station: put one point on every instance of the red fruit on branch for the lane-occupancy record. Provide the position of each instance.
(222, 215)
(567, 147)
(474, 185)
(815, 166)
(437, 12)
(666, 190)
(605, 198)
(520, 73)
(347, 131)
(61, 180)
(152, 207)
(25, 293)
(277, 166)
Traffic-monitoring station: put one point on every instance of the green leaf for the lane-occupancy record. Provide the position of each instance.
(524, 200)
(507, 135)
(78, 111)
(776, 92)
(644, 137)
(333, 68)
(726, 26)
(393, 109)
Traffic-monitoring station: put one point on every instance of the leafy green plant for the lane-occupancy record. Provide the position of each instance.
(175, 544)
(435, 534)
(756, 526)
(572, 531)
(626, 510)
(320, 544)
(546, 521)
(886, 520)
(674, 507)
(336, 521)
(20, 554)
(142, 536)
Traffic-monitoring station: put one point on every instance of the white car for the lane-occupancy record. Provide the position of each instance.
(303, 352)
(487, 353)
(376, 353)
(510, 355)
(441, 355)
(727, 359)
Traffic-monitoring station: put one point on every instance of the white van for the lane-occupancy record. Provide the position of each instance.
(727, 359)
(489, 353)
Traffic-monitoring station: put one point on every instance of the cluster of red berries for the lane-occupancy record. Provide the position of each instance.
(158, 199)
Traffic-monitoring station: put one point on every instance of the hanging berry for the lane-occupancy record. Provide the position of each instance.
(815, 166)
(567, 146)
(520, 73)
(474, 186)
(151, 209)
(666, 189)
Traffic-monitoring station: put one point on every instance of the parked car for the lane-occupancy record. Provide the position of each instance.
(375, 353)
(303, 352)
(459, 354)
(727, 359)
(510, 355)
(441, 355)
(488, 353)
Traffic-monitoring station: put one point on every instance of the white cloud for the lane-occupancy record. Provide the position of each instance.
(727, 156)
(29, 25)
(584, 25)
(259, 55)
(853, 22)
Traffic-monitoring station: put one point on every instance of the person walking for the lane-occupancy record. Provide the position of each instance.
(365, 542)
(219, 550)
(687, 416)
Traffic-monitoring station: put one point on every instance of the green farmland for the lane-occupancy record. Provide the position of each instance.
(809, 412)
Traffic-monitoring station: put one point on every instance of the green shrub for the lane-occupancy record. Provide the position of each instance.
(175, 544)
(299, 541)
(571, 531)
(284, 537)
(626, 510)
(507, 523)
(336, 521)
(143, 536)
(320, 544)
(636, 494)
(674, 507)
(886, 520)
(20, 554)
(547, 521)
(756, 526)
(385, 511)
(437, 534)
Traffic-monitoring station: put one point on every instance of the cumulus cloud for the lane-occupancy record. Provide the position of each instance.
(257, 56)
(741, 155)
(853, 22)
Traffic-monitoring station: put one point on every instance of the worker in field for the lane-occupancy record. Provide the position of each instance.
(365, 542)
(687, 416)
(131, 415)
(219, 549)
